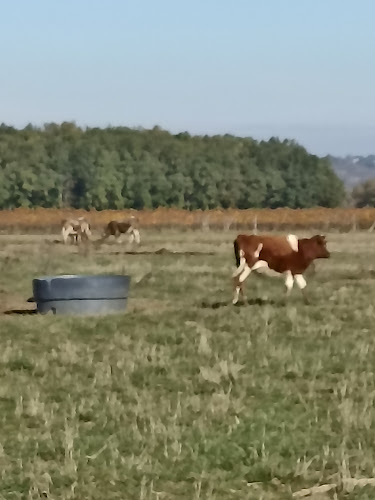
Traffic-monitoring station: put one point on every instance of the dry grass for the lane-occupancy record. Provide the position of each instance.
(344, 219)
(186, 396)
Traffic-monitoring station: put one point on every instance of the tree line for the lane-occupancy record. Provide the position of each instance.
(63, 165)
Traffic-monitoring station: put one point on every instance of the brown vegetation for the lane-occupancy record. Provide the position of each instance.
(343, 219)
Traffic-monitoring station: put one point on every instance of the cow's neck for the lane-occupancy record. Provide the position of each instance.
(305, 257)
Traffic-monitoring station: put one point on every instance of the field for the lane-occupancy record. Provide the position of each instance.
(325, 219)
(186, 396)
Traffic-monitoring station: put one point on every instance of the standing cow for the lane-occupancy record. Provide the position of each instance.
(77, 229)
(286, 255)
(116, 229)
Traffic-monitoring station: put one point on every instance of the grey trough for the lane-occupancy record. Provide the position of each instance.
(81, 294)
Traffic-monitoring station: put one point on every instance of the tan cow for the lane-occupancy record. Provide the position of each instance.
(75, 229)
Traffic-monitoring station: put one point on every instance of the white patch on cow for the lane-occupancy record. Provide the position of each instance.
(259, 265)
(239, 269)
(244, 274)
(242, 265)
(300, 280)
(137, 236)
(258, 250)
(293, 242)
(288, 282)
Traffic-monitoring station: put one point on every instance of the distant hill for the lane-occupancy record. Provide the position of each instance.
(353, 169)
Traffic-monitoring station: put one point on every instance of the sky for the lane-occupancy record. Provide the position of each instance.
(296, 69)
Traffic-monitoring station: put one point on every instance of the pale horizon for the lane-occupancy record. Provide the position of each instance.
(300, 71)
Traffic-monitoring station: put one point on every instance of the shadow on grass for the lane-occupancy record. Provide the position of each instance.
(21, 312)
(250, 302)
(162, 251)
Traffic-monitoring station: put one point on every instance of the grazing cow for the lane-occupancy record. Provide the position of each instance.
(76, 229)
(285, 255)
(116, 229)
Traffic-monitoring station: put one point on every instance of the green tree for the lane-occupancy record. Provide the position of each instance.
(62, 165)
(363, 194)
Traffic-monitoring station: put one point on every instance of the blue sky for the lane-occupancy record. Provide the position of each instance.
(301, 69)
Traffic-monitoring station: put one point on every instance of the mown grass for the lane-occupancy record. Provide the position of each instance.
(186, 396)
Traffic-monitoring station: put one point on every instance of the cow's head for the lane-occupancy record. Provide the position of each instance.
(314, 248)
(319, 247)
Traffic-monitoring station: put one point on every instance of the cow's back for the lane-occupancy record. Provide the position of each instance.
(275, 245)
(124, 226)
(111, 228)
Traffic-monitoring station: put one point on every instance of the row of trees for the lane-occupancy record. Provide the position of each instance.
(363, 195)
(115, 168)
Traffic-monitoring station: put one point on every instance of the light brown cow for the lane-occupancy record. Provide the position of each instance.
(286, 255)
(118, 228)
(76, 229)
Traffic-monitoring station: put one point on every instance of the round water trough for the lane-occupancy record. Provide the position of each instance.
(81, 294)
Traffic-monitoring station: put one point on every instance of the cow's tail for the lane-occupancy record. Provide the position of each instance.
(237, 252)
(240, 259)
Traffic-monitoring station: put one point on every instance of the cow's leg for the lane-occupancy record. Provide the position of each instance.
(65, 235)
(301, 283)
(85, 235)
(238, 289)
(78, 237)
(244, 275)
(137, 236)
(72, 237)
(239, 280)
(240, 275)
(288, 282)
(238, 284)
(130, 232)
(106, 235)
(242, 265)
(118, 236)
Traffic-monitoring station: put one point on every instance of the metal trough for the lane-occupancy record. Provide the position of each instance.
(81, 294)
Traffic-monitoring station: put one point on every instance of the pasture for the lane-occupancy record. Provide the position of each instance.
(186, 396)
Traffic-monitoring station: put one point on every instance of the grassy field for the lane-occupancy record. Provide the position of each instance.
(186, 396)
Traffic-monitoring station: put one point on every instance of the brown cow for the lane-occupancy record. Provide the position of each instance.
(116, 229)
(286, 255)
